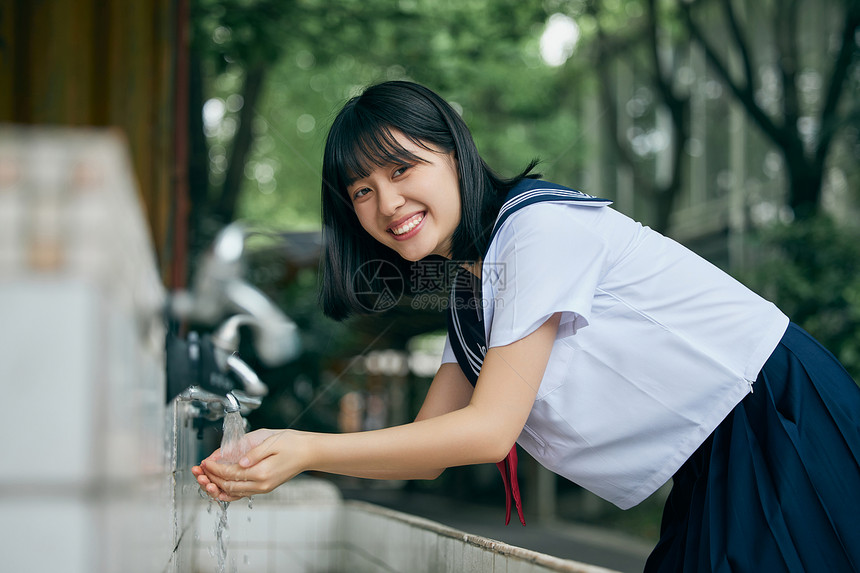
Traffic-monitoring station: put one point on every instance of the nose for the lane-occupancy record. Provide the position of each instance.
(389, 199)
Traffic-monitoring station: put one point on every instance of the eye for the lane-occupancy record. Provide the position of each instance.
(400, 170)
(359, 193)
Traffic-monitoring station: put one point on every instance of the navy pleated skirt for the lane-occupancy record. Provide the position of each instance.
(776, 487)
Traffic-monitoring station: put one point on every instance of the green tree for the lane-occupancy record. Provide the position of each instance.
(807, 101)
(811, 270)
(794, 82)
(239, 36)
(280, 67)
(507, 95)
(640, 35)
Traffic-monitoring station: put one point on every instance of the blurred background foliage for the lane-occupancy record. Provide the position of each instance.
(733, 126)
(812, 268)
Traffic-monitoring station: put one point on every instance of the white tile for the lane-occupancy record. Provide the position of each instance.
(12, 231)
(449, 553)
(422, 549)
(488, 559)
(50, 333)
(300, 560)
(249, 527)
(27, 524)
(206, 521)
(325, 523)
(173, 564)
(186, 497)
(521, 566)
(131, 534)
(250, 560)
(289, 524)
(355, 561)
(204, 560)
(183, 557)
(500, 563)
(382, 538)
(472, 558)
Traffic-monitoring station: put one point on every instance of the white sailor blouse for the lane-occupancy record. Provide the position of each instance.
(655, 346)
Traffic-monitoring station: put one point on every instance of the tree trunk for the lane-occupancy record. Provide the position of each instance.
(198, 161)
(804, 185)
(805, 173)
(225, 210)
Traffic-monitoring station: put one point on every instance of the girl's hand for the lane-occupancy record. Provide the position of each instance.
(272, 460)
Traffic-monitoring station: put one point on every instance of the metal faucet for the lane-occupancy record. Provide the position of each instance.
(226, 343)
(212, 406)
(204, 368)
(220, 288)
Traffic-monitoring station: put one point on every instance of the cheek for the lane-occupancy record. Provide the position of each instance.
(453, 207)
(365, 219)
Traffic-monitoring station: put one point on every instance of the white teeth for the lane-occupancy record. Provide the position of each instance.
(408, 225)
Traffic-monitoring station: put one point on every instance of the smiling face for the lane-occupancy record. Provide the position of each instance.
(411, 206)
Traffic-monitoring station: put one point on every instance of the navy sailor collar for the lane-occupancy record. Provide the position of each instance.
(530, 191)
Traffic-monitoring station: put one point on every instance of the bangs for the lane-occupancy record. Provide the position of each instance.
(357, 152)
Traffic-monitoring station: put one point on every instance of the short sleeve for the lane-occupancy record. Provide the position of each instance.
(543, 260)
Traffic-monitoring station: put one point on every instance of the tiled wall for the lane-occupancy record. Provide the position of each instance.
(296, 528)
(87, 472)
(305, 527)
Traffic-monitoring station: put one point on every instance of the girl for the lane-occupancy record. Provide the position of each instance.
(614, 356)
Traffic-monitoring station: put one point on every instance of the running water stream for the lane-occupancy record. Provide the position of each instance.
(233, 447)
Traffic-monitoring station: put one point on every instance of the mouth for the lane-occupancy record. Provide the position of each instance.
(406, 228)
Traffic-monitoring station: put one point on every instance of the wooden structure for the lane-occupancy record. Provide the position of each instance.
(106, 64)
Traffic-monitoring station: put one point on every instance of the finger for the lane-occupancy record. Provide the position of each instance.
(213, 491)
(219, 484)
(220, 494)
(219, 470)
(235, 481)
(213, 457)
(238, 489)
(259, 453)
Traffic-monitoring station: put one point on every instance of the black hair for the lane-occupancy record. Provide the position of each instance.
(359, 140)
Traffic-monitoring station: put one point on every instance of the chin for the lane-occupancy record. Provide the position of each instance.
(410, 254)
(412, 258)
